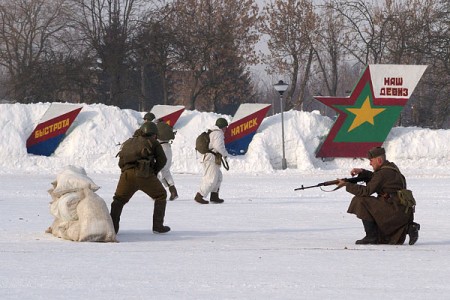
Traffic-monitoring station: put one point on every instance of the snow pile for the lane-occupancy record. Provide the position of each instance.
(93, 141)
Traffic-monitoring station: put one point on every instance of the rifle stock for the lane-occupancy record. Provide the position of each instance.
(334, 182)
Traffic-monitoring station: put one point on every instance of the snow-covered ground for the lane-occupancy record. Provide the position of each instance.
(266, 241)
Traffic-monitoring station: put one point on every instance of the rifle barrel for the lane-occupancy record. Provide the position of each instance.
(331, 182)
(306, 187)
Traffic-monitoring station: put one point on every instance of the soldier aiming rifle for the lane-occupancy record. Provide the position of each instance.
(387, 217)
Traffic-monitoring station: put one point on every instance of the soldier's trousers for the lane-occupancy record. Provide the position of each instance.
(129, 184)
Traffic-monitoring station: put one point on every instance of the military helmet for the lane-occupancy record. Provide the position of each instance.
(149, 128)
(221, 123)
(149, 116)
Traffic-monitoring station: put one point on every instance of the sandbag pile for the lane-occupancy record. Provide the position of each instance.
(80, 214)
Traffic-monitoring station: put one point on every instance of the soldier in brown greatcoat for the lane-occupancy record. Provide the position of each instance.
(385, 220)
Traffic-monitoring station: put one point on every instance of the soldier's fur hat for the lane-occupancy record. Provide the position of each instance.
(375, 152)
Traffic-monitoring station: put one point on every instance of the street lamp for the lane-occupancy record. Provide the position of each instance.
(281, 87)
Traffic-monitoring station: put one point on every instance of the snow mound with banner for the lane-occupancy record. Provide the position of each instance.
(80, 214)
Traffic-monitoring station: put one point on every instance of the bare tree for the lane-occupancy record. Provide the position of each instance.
(329, 49)
(199, 27)
(291, 25)
(29, 30)
(229, 77)
(108, 27)
(155, 57)
(364, 29)
(430, 44)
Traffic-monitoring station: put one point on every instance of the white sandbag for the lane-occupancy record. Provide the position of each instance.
(94, 219)
(72, 168)
(72, 231)
(67, 206)
(54, 203)
(65, 230)
(80, 214)
(72, 179)
(76, 169)
(50, 191)
(53, 229)
(54, 210)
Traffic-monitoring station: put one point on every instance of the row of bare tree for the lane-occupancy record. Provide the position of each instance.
(138, 53)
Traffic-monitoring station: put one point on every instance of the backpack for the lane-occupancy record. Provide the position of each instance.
(133, 150)
(202, 142)
(165, 131)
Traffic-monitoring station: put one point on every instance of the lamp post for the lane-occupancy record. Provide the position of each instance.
(281, 87)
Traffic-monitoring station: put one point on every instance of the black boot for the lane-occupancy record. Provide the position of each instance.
(159, 211)
(371, 234)
(413, 232)
(199, 198)
(173, 192)
(116, 211)
(215, 198)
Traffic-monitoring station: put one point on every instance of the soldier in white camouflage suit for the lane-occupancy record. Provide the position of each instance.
(212, 175)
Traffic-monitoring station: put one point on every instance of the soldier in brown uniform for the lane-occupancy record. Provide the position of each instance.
(165, 137)
(385, 220)
(140, 160)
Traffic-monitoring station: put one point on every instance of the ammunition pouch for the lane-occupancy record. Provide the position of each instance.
(406, 198)
(143, 168)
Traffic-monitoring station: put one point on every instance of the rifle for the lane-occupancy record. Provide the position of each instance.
(333, 182)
